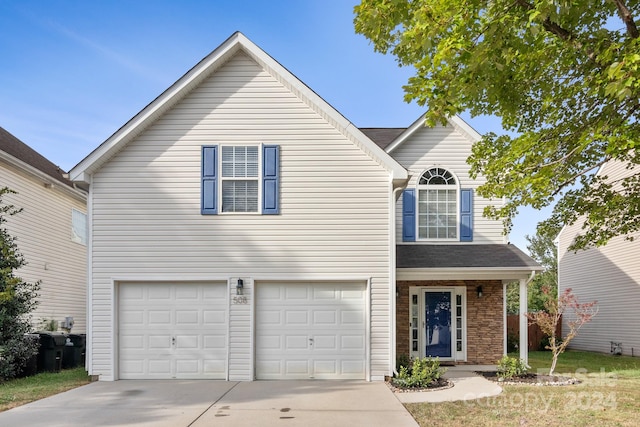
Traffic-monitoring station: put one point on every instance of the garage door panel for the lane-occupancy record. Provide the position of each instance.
(310, 330)
(187, 317)
(325, 317)
(296, 318)
(159, 293)
(172, 331)
(159, 317)
(214, 317)
(297, 367)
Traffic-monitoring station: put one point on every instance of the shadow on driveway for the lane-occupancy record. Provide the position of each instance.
(181, 403)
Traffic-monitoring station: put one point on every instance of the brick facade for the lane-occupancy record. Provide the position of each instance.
(485, 318)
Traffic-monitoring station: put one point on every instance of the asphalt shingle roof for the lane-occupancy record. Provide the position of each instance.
(463, 256)
(382, 136)
(21, 151)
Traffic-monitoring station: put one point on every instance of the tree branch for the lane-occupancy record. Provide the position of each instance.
(625, 15)
(561, 32)
(578, 174)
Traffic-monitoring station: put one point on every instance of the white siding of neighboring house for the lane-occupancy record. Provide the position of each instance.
(610, 275)
(43, 232)
(446, 147)
(334, 220)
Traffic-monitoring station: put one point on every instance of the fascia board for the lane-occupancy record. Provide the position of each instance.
(204, 68)
(322, 107)
(38, 174)
(140, 121)
(487, 273)
(455, 121)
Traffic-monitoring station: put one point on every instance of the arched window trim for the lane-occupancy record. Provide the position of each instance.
(423, 231)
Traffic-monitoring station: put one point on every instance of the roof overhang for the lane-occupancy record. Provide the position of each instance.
(455, 121)
(503, 274)
(116, 142)
(46, 179)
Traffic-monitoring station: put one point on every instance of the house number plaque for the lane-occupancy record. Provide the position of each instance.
(239, 299)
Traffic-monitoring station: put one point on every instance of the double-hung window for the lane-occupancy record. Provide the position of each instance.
(240, 179)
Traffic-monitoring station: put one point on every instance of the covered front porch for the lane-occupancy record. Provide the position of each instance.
(451, 301)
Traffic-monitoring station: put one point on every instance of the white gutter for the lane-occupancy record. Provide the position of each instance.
(48, 181)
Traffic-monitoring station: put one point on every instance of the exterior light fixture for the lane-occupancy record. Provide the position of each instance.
(479, 290)
(239, 287)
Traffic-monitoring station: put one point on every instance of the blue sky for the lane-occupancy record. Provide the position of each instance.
(72, 72)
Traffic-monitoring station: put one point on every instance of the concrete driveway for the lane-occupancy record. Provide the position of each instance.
(202, 403)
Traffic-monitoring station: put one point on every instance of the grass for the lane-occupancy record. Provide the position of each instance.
(24, 390)
(607, 396)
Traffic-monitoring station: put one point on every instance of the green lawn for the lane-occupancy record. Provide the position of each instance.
(608, 396)
(24, 390)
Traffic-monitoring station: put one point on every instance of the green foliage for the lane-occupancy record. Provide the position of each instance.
(49, 325)
(17, 301)
(422, 373)
(543, 249)
(513, 341)
(403, 360)
(564, 77)
(509, 367)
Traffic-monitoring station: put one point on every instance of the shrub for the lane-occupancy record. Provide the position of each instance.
(513, 341)
(509, 367)
(423, 373)
(403, 360)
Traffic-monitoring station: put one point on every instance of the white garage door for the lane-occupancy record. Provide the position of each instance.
(172, 330)
(310, 330)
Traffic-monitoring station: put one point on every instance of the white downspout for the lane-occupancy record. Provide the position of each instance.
(392, 275)
(88, 362)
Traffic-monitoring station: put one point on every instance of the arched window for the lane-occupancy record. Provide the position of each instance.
(438, 205)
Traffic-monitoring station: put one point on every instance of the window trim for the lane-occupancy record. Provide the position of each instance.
(424, 187)
(258, 178)
(86, 228)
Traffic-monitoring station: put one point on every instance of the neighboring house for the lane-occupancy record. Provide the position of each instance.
(610, 275)
(51, 231)
(241, 228)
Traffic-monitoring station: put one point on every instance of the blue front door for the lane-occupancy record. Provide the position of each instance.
(438, 324)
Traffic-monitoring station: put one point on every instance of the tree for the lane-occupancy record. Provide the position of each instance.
(17, 301)
(575, 314)
(564, 78)
(543, 249)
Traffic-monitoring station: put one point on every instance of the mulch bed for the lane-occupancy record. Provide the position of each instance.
(439, 384)
(530, 379)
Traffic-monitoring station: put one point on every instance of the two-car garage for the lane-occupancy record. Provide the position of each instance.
(301, 330)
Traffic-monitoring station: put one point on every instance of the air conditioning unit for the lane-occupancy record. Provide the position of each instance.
(616, 348)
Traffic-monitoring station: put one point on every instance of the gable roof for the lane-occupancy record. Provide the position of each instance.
(205, 68)
(454, 121)
(23, 155)
(383, 136)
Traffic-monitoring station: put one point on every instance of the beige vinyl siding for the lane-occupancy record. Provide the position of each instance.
(445, 147)
(334, 218)
(610, 275)
(43, 232)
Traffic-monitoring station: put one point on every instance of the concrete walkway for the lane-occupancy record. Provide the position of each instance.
(467, 386)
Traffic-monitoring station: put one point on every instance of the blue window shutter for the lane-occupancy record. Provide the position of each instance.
(209, 203)
(270, 179)
(409, 215)
(466, 215)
